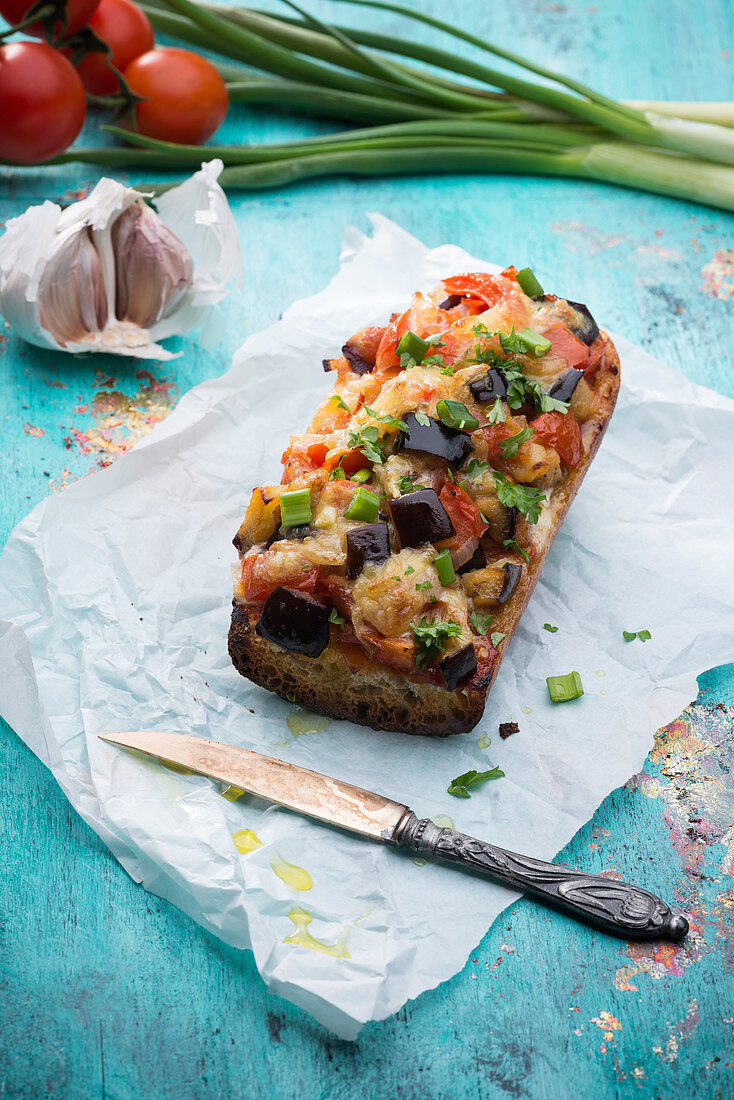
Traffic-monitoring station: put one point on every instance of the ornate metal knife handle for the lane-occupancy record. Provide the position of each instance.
(615, 906)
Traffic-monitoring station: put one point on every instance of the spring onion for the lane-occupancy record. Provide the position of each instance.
(541, 122)
(360, 476)
(562, 689)
(528, 283)
(456, 415)
(412, 345)
(445, 567)
(364, 506)
(295, 508)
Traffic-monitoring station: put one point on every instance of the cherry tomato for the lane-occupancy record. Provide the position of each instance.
(560, 431)
(127, 31)
(42, 103)
(185, 97)
(78, 13)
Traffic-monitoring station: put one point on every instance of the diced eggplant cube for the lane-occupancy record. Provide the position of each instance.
(435, 438)
(367, 544)
(450, 302)
(294, 621)
(565, 387)
(489, 387)
(476, 561)
(459, 666)
(585, 327)
(513, 573)
(356, 360)
(420, 518)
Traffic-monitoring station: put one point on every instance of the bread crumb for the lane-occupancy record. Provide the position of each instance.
(508, 728)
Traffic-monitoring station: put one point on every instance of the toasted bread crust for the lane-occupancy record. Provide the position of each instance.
(377, 696)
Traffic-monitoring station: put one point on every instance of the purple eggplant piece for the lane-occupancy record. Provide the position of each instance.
(476, 561)
(420, 518)
(490, 386)
(435, 438)
(294, 621)
(585, 327)
(513, 572)
(367, 544)
(356, 360)
(565, 387)
(459, 667)
(451, 301)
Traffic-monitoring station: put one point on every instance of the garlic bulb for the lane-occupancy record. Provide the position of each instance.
(108, 273)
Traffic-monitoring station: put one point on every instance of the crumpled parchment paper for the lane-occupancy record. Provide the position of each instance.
(115, 597)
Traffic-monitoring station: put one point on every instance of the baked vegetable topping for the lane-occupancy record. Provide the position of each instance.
(412, 516)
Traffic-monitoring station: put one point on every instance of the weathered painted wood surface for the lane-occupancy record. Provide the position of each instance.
(109, 992)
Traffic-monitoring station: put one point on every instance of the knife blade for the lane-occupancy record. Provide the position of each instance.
(616, 906)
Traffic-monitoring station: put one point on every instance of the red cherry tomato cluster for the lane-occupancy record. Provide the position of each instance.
(183, 98)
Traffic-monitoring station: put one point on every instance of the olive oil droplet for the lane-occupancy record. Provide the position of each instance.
(420, 862)
(302, 937)
(246, 841)
(231, 793)
(301, 722)
(600, 672)
(484, 741)
(292, 876)
(443, 821)
(526, 710)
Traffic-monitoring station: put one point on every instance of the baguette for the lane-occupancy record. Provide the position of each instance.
(421, 503)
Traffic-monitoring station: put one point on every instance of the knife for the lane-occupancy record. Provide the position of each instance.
(615, 906)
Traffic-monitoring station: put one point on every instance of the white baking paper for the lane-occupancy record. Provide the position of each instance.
(116, 596)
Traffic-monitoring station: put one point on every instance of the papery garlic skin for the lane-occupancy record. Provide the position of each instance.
(108, 274)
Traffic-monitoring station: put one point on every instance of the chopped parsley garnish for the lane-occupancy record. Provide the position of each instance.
(543, 401)
(406, 483)
(496, 414)
(422, 419)
(459, 787)
(449, 370)
(409, 569)
(521, 390)
(340, 402)
(515, 545)
(630, 635)
(369, 444)
(481, 623)
(513, 443)
(496, 638)
(475, 468)
(385, 418)
(424, 586)
(562, 689)
(436, 360)
(550, 629)
(430, 638)
(336, 618)
(525, 498)
(337, 474)
(456, 415)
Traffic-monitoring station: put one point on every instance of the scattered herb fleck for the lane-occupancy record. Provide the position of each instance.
(430, 638)
(481, 623)
(630, 635)
(549, 628)
(515, 545)
(459, 787)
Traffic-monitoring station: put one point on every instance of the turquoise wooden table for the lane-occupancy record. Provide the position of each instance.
(108, 991)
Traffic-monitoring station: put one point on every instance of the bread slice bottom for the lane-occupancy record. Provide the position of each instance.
(375, 695)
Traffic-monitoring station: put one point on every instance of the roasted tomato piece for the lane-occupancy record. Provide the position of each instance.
(462, 511)
(487, 288)
(261, 574)
(567, 346)
(560, 431)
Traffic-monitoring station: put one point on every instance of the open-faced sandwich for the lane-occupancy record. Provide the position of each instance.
(382, 580)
